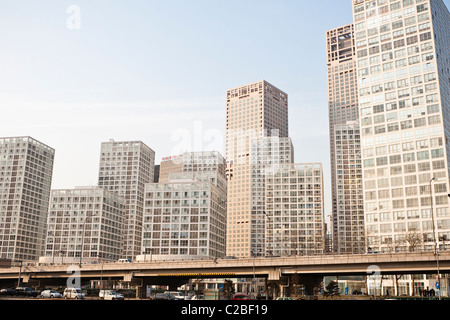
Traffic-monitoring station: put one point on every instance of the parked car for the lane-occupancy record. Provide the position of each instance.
(6, 292)
(284, 298)
(189, 295)
(241, 296)
(110, 295)
(73, 293)
(50, 294)
(176, 294)
(124, 261)
(164, 296)
(25, 292)
(197, 297)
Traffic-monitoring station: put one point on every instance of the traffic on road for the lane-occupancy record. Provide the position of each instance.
(67, 293)
(104, 294)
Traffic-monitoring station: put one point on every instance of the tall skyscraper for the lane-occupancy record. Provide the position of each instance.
(253, 112)
(26, 168)
(350, 228)
(345, 149)
(125, 168)
(85, 221)
(403, 81)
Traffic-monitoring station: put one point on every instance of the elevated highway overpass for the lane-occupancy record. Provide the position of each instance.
(271, 268)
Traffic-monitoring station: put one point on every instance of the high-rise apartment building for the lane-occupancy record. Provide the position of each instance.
(26, 167)
(267, 154)
(253, 112)
(346, 173)
(185, 217)
(87, 222)
(350, 228)
(295, 210)
(125, 168)
(403, 66)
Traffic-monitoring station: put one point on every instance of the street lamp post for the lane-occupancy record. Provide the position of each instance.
(436, 249)
(82, 237)
(255, 254)
(254, 274)
(61, 253)
(101, 275)
(53, 247)
(20, 273)
(267, 228)
(145, 247)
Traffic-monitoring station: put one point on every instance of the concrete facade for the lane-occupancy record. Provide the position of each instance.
(91, 218)
(125, 168)
(255, 111)
(185, 217)
(25, 182)
(295, 210)
(402, 51)
(345, 154)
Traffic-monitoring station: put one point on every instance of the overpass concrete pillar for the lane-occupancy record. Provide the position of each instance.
(128, 277)
(274, 275)
(141, 287)
(141, 292)
(25, 278)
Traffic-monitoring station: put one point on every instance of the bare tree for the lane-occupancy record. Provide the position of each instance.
(392, 245)
(371, 242)
(412, 239)
(228, 289)
(397, 277)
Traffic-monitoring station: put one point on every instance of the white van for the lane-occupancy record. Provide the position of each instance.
(110, 295)
(124, 261)
(73, 293)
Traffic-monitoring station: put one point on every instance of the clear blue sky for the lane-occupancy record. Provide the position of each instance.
(155, 70)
